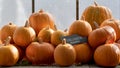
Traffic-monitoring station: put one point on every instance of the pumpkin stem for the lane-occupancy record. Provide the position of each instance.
(27, 24)
(64, 41)
(10, 23)
(66, 30)
(7, 41)
(48, 27)
(55, 27)
(39, 40)
(41, 10)
(95, 3)
(83, 17)
(96, 25)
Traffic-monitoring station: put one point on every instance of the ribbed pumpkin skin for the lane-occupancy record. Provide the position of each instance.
(56, 37)
(23, 36)
(107, 55)
(9, 55)
(45, 34)
(96, 13)
(40, 20)
(80, 27)
(8, 30)
(83, 53)
(64, 55)
(113, 23)
(99, 36)
(40, 53)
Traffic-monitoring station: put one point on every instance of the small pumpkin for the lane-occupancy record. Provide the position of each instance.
(80, 27)
(107, 55)
(96, 13)
(114, 23)
(40, 20)
(100, 35)
(24, 35)
(83, 53)
(8, 30)
(40, 53)
(64, 54)
(9, 54)
(45, 34)
(57, 35)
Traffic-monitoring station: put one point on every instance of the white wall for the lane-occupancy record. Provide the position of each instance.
(18, 11)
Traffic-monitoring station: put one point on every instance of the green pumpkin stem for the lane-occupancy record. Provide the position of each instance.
(7, 41)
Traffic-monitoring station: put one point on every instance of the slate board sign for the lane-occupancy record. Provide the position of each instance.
(74, 39)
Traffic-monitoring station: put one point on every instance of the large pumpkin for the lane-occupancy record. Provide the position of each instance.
(8, 30)
(64, 54)
(9, 54)
(24, 35)
(96, 13)
(40, 53)
(99, 36)
(113, 23)
(80, 27)
(40, 20)
(107, 55)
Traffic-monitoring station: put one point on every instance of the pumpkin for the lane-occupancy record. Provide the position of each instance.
(114, 23)
(80, 27)
(40, 20)
(107, 55)
(9, 54)
(45, 34)
(56, 36)
(40, 53)
(8, 30)
(83, 53)
(64, 54)
(24, 35)
(21, 52)
(96, 13)
(100, 35)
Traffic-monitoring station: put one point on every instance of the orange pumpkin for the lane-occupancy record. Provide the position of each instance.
(80, 27)
(9, 54)
(56, 36)
(83, 53)
(64, 54)
(8, 30)
(99, 36)
(24, 35)
(45, 34)
(96, 13)
(113, 23)
(40, 53)
(40, 20)
(21, 52)
(107, 55)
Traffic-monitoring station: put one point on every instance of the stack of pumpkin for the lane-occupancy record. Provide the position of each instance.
(39, 41)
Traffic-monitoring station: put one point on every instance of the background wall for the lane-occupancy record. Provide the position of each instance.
(18, 11)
